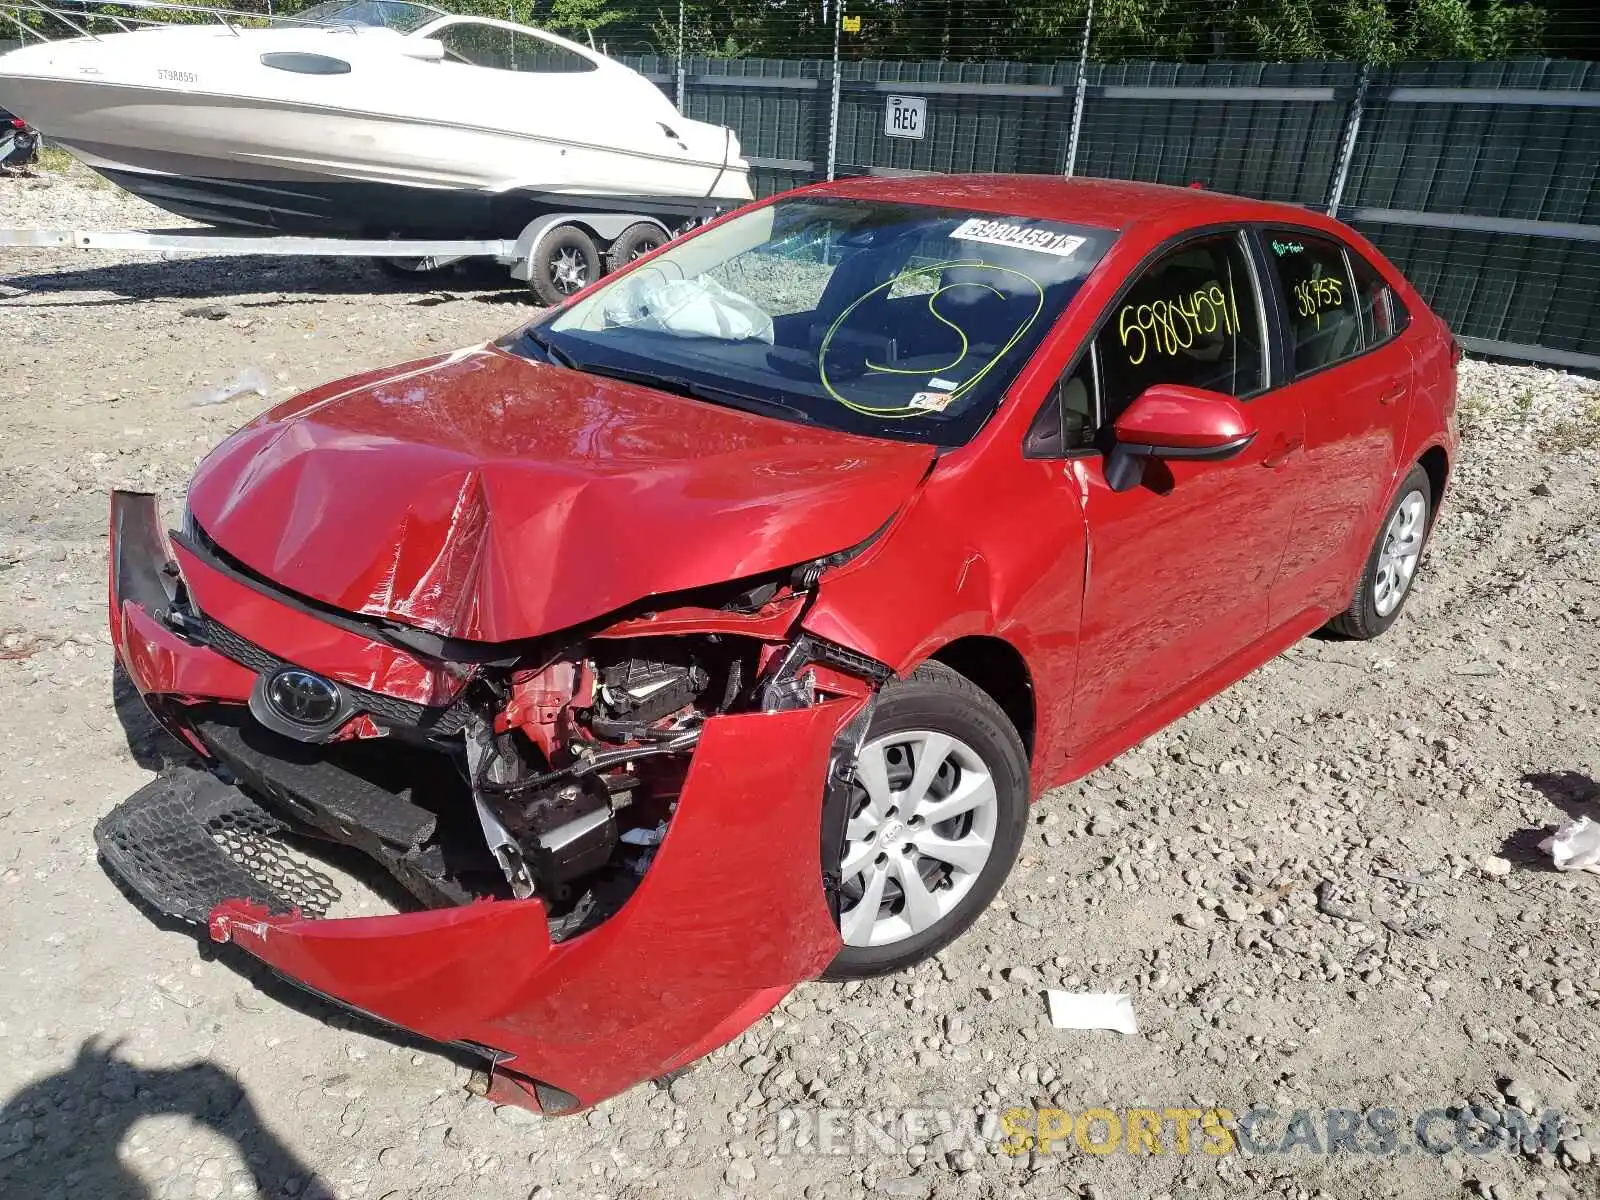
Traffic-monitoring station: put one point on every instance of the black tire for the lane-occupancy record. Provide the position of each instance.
(567, 261)
(938, 699)
(1363, 620)
(632, 242)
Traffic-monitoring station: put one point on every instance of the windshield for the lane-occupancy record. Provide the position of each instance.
(896, 320)
(388, 14)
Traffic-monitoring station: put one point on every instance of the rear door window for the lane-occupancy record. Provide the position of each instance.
(1325, 324)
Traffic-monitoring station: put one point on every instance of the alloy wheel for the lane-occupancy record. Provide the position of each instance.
(923, 816)
(568, 270)
(1402, 547)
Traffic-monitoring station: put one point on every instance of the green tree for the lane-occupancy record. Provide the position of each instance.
(1377, 31)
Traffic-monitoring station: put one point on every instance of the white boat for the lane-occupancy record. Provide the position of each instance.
(367, 118)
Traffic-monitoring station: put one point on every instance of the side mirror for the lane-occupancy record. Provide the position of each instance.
(1172, 421)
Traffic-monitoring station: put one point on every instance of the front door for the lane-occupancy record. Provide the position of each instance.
(1180, 566)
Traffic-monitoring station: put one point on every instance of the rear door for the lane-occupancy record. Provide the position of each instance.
(1352, 374)
(1179, 566)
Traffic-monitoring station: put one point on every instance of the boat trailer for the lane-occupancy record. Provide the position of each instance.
(556, 253)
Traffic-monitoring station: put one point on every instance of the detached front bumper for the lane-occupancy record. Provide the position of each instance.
(729, 916)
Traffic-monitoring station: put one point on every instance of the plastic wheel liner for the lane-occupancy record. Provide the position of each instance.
(731, 913)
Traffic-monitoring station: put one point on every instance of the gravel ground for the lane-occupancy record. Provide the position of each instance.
(1322, 889)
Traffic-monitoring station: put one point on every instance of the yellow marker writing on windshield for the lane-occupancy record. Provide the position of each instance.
(961, 389)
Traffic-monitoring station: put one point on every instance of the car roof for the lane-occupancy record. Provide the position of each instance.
(1118, 204)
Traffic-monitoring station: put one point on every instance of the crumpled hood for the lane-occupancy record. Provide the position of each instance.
(488, 497)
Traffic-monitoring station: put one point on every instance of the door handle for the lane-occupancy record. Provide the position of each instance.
(1392, 397)
(1281, 452)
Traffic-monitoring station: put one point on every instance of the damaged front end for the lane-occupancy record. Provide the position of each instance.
(611, 840)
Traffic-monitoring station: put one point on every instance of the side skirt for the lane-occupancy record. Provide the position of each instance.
(1186, 699)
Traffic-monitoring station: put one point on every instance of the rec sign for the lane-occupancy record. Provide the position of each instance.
(906, 117)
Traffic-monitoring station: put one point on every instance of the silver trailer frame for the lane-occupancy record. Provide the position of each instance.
(519, 253)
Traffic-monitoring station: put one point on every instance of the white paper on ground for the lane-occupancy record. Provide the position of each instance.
(1092, 1010)
(1575, 846)
(248, 382)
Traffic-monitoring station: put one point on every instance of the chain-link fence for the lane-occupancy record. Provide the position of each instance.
(1477, 177)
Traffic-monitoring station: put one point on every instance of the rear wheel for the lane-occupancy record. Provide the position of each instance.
(566, 263)
(1392, 565)
(935, 818)
(636, 240)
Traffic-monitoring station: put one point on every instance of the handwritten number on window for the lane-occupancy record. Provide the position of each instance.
(1168, 326)
(1312, 296)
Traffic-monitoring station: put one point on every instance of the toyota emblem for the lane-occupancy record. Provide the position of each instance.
(303, 698)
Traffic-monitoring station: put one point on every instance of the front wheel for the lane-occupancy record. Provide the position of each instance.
(1392, 564)
(935, 818)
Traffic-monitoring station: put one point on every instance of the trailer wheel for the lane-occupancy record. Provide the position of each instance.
(566, 262)
(634, 241)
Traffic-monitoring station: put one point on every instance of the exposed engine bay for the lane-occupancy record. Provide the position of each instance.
(576, 776)
(553, 773)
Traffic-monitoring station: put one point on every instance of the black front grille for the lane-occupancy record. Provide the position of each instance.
(246, 653)
(443, 720)
(406, 805)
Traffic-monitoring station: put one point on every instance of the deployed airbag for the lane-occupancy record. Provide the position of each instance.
(688, 308)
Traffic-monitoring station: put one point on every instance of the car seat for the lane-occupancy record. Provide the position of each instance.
(1077, 413)
(1320, 344)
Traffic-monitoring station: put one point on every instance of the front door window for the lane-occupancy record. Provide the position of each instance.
(1193, 318)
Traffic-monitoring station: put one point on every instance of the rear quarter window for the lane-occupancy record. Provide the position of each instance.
(1382, 314)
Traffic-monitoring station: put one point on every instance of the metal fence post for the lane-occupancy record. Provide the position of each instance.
(1352, 127)
(833, 97)
(683, 77)
(1080, 92)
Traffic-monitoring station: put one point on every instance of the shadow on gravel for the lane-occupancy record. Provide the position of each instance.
(63, 1134)
(1573, 792)
(275, 989)
(151, 746)
(240, 278)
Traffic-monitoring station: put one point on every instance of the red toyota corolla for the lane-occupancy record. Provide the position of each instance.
(714, 631)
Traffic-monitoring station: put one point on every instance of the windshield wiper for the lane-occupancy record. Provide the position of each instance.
(550, 350)
(709, 392)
